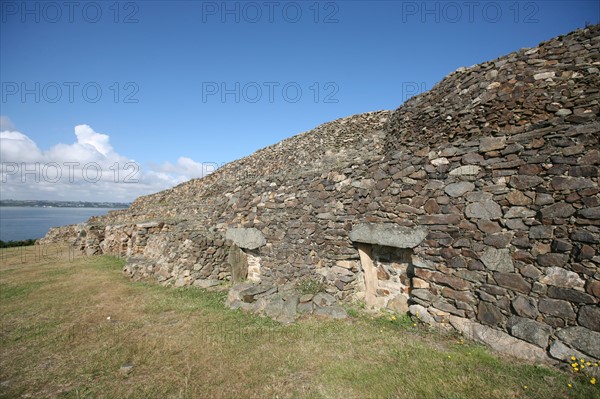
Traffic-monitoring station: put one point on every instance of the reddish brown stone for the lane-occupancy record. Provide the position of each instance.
(530, 169)
(431, 206)
(488, 226)
(593, 288)
(512, 281)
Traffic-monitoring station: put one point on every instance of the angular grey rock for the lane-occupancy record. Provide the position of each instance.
(558, 210)
(563, 112)
(322, 299)
(398, 304)
(489, 314)
(289, 310)
(498, 340)
(249, 238)
(530, 330)
(333, 312)
(274, 307)
(459, 189)
(552, 259)
(582, 235)
(581, 338)
(560, 351)
(238, 260)
(483, 210)
(248, 294)
(562, 278)
(589, 316)
(423, 294)
(543, 75)
(571, 183)
(422, 314)
(234, 292)
(306, 298)
(523, 182)
(519, 212)
(570, 295)
(512, 281)
(465, 170)
(590, 213)
(388, 234)
(525, 306)
(491, 143)
(497, 260)
(556, 307)
(305, 307)
(541, 231)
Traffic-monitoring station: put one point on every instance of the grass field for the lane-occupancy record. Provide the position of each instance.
(77, 328)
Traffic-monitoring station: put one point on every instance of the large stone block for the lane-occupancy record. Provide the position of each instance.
(556, 307)
(589, 316)
(486, 209)
(497, 260)
(248, 238)
(558, 210)
(530, 330)
(560, 351)
(512, 281)
(524, 182)
(525, 306)
(582, 339)
(491, 143)
(388, 234)
(489, 314)
(558, 276)
(459, 189)
(499, 340)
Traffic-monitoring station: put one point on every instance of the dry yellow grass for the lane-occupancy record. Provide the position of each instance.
(56, 340)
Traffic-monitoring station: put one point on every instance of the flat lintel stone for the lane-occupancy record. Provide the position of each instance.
(388, 234)
(246, 238)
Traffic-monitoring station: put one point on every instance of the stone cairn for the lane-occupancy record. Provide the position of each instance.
(474, 205)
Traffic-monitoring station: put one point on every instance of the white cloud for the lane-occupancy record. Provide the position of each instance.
(88, 169)
(17, 146)
(6, 123)
(187, 167)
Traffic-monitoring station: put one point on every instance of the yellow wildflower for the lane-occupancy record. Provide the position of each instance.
(570, 385)
(573, 358)
(593, 381)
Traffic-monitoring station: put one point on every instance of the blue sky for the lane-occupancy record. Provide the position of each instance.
(166, 91)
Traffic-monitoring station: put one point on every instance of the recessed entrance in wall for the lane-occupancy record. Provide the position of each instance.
(386, 252)
(386, 276)
(245, 264)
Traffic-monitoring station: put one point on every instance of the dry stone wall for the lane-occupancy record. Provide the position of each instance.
(475, 205)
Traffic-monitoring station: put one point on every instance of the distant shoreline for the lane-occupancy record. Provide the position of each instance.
(62, 204)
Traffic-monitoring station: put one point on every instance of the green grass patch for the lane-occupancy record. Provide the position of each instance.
(68, 327)
(11, 291)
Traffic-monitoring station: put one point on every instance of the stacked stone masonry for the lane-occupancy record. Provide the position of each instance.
(475, 204)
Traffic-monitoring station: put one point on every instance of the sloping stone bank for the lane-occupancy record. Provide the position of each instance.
(474, 205)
